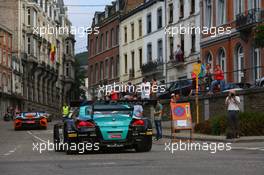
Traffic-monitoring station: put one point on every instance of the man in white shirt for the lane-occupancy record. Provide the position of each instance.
(233, 108)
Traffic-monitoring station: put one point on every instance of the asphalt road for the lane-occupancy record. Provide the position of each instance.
(17, 157)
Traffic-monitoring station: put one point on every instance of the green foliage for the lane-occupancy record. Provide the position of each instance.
(79, 81)
(259, 38)
(250, 124)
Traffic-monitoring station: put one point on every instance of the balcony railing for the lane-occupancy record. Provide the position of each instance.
(249, 18)
(151, 66)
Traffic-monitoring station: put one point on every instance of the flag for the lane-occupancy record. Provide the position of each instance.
(52, 53)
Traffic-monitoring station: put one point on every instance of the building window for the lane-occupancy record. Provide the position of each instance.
(125, 63)
(222, 59)
(34, 18)
(132, 31)
(46, 6)
(171, 47)
(96, 45)
(181, 9)
(117, 66)
(28, 45)
(41, 3)
(221, 8)
(125, 33)
(28, 16)
(159, 18)
(208, 13)
(149, 24)
(149, 52)
(67, 48)
(192, 7)
(101, 70)
(117, 35)
(209, 59)
(171, 13)
(193, 40)
(96, 73)
(106, 70)
(239, 6)
(112, 68)
(254, 4)
(182, 43)
(133, 60)
(160, 51)
(239, 64)
(106, 40)
(140, 27)
(67, 69)
(112, 37)
(101, 43)
(140, 57)
(256, 64)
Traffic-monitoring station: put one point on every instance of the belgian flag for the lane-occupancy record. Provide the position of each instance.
(52, 53)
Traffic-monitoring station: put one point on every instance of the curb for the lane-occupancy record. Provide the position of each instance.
(218, 140)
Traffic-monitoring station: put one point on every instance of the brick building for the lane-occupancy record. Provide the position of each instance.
(235, 52)
(103, 45)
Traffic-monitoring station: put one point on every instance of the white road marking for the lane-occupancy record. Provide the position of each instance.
(249, 148)
(36, 137)
(10, 152)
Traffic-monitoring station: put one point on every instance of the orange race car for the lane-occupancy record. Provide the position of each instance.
(30, 120)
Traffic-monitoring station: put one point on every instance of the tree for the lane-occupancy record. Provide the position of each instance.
(79, 81)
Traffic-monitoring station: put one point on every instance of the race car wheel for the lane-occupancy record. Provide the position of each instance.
(145, 145)
(56, 139)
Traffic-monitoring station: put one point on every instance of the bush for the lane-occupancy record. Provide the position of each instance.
(251, 124)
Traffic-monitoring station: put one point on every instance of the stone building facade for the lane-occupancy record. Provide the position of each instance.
(43, 80)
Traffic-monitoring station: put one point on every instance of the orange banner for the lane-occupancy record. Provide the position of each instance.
(181, 115)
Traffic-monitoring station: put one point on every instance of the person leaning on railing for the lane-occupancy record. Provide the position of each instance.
(219, 78)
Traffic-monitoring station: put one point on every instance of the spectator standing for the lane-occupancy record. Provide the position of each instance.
(208, 76)
(218, 79)
(157, 119)
(233, 108)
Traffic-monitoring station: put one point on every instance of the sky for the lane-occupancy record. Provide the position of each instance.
(82, 16)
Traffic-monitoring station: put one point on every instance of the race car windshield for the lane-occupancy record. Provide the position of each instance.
(112, 109)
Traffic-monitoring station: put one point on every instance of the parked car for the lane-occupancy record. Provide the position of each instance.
(260, 82)
(236, 86)
(182, 87)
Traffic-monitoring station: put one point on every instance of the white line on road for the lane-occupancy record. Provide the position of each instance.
(249, 148)
(10, 152)
(36, 137)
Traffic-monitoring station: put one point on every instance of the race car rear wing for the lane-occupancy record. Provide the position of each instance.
(121, 102)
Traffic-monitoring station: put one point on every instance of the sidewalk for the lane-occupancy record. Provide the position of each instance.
(166, 132)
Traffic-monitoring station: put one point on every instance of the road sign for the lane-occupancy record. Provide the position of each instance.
(181, 116)
(197, 68)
